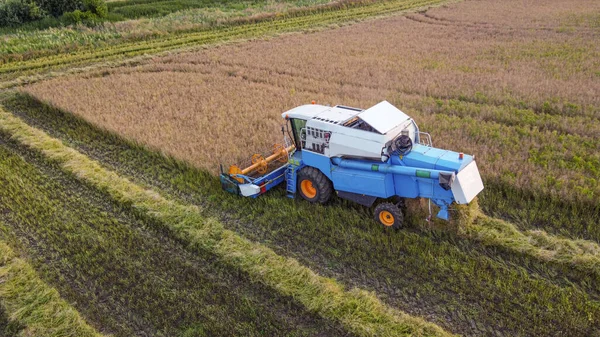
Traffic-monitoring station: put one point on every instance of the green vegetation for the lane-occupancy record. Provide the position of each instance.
(14, 13)
(340, 240)
(126, 279)
(147, 8)
(32, 308)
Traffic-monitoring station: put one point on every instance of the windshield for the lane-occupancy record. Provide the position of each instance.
(298, 127)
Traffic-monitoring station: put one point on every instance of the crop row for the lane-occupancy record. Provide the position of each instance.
(364, 67)
(553, 185)
(545, 161)
(552, 154)
(32, 307)
(127, 279)
(314, 18)
(421, 273)
(356, 310)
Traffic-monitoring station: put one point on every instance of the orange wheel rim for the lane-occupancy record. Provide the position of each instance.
(308, 189)
(386, 218)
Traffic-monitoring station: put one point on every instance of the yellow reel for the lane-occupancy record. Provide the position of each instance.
(281, 152)
(262, 163)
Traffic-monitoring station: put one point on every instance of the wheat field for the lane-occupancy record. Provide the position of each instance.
(516, 85)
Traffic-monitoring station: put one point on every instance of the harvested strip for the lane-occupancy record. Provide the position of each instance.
(583, 255)
(33, 304)
(359, 311)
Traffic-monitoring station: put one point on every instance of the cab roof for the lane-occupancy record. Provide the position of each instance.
(383, 116)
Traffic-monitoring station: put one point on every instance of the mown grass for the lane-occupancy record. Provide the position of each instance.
(481, 290)
(30, 307)
(358, 311)
(126, 279)
(310, 18)
(8, 327)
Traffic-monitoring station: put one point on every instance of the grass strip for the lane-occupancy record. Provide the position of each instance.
(358, 310)
(582, 255)
(37, 307)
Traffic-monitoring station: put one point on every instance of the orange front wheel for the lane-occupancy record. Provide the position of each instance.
(389, 215)
(314, 186)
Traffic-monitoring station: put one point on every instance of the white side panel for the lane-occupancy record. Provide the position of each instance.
(249, 189)
(345, 145)
(467, 184)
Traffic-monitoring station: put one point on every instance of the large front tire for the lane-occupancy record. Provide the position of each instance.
(314, 186)
(389, 215)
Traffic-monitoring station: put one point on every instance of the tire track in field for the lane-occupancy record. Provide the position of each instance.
(425, 17)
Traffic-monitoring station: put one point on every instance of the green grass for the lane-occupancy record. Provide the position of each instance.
(125, 278)
(481, 290)
(84, 52)
(35, 40)
(32, 308)
(8, 327)
(358, 311)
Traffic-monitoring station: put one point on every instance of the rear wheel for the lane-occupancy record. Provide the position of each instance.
(314, 186)
(389, 215)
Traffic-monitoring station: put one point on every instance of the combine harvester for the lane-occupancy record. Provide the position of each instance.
(364, 156)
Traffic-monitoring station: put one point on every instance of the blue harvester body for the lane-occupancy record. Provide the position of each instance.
(424, 171)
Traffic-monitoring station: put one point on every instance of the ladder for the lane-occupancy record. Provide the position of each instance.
(290, 179)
